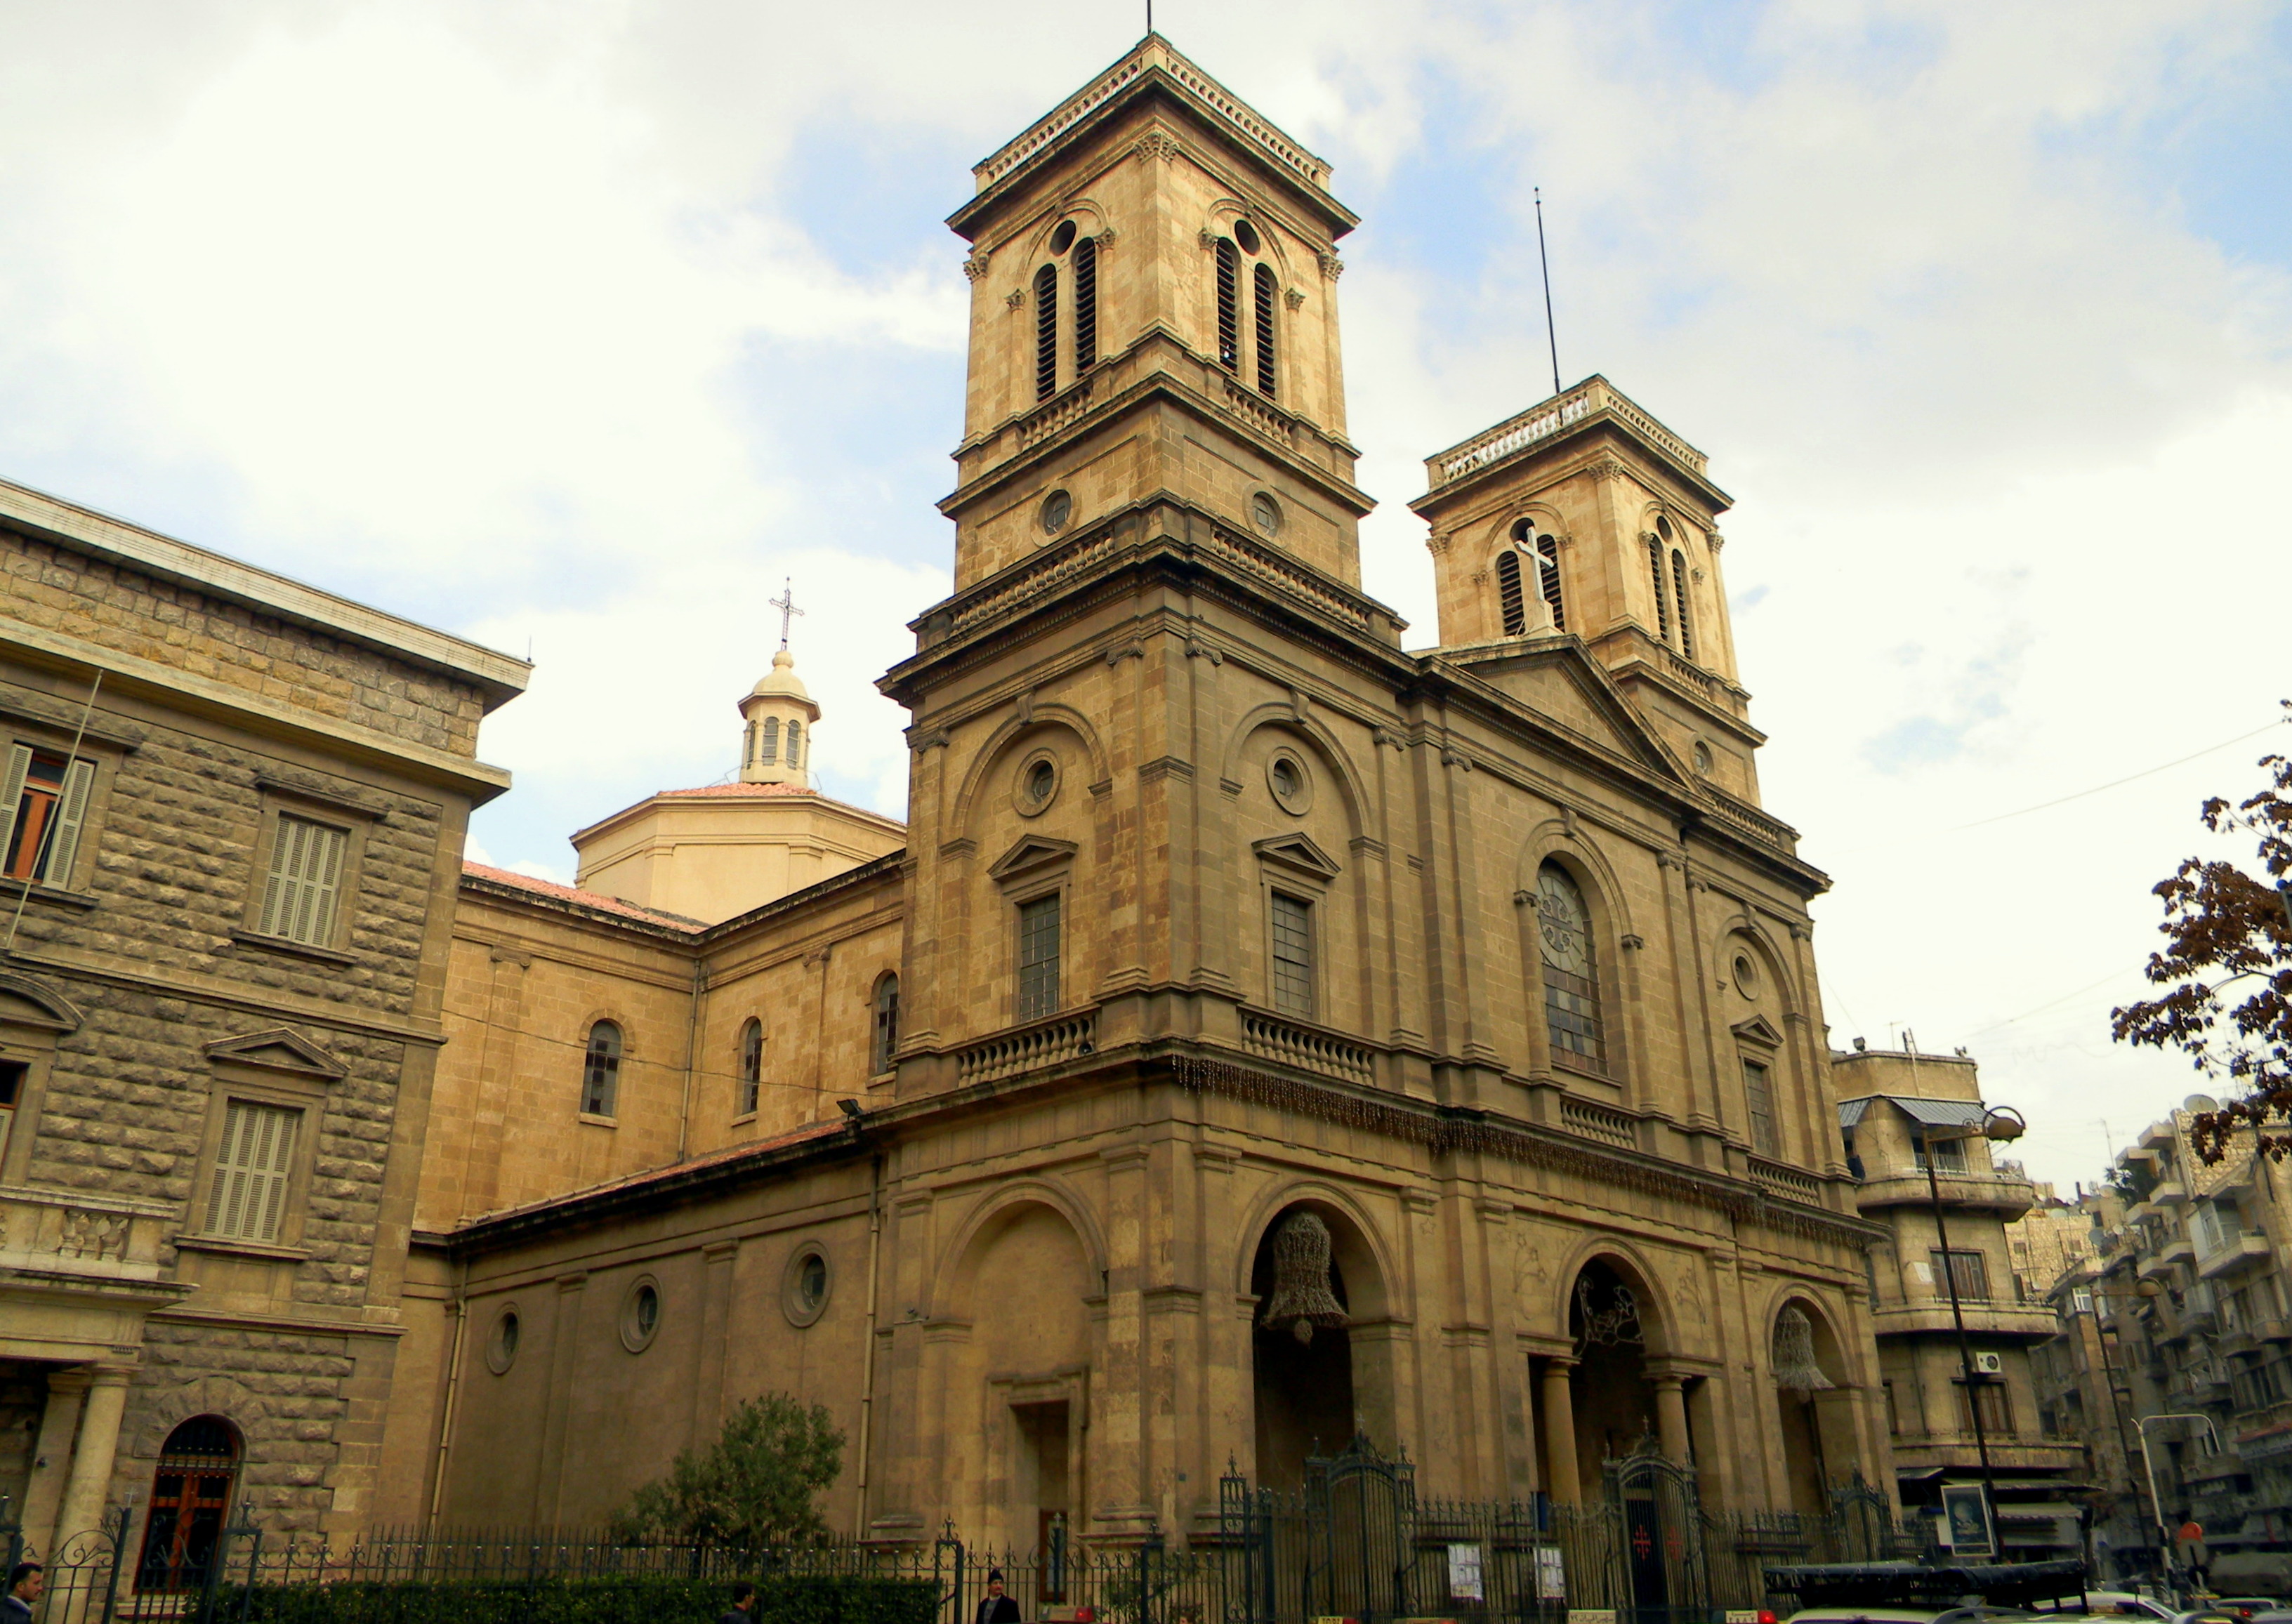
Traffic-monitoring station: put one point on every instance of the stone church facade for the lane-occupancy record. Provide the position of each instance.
(1216, 911)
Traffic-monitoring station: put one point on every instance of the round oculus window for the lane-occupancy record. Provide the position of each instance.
(1063, 238)
(1058, 507)
(809, 1281)
(1291, 786)
(1266, 513)
(1747, 975)
(501, 1344)
(1246, 234)
(1663, 526)
(640, 1311)
(1037, 784)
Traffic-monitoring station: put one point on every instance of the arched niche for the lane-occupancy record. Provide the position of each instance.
(1617, 1322)
(1815, 1424)
(1311, 1395)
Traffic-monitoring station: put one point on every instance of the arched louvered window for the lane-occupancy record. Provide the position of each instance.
(795, 745)
(768, 750)
(887, 1025)
(1571, 971)
(1679, 603)
(1086, 303)
(601, 1070)
(1228, 316)
(1046, 332)
(1509, 595)
(1264, 291)
(752, 1064)
(1662, 598)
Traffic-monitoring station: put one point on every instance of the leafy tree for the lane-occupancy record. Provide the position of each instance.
(753, 1489)
(2227, 966)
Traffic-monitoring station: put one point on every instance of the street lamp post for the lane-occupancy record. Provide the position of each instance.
(2147, 1290)
(2002, 1124)
(2149, 1468)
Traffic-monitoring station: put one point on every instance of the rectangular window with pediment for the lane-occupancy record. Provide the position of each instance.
(1293, 956)
(1038, 956)
(1759, 1102)
(247, 1197)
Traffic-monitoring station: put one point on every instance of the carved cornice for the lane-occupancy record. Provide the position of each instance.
(1332, 267)
(1295, 298)
(1156, 144)
(974, 264)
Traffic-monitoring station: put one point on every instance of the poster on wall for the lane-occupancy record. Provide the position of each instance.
(1551, 1576)
(1966, 1526)
(1464, 1574)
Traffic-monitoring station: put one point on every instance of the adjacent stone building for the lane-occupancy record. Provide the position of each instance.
(2193, 1284)
(1240, 974)
(232, 821)
(1897, 1111)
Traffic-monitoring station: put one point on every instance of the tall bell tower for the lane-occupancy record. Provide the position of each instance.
(1153, 310)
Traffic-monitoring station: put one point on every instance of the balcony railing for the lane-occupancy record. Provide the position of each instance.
(1045, 1043)
(1543, 421)
(1306, 1047)
(1619, 1129)
(82, 1233)
(1790, 1182)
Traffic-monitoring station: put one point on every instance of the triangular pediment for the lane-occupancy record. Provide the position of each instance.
(278, 1049)
(1756, 1030)
(25, 1002)
(1298, 852)
(1032, 852)
(1557, 679)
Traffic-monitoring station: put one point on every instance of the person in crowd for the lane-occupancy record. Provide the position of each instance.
(995, 1607)
(25, 1581)
(744, 1604)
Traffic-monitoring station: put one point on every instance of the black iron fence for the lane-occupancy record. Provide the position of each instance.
(1354, 1542)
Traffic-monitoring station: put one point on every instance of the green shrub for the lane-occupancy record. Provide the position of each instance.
(647, 1600)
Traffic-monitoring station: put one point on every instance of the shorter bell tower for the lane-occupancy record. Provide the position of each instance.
(1584, 517)
(780, 715)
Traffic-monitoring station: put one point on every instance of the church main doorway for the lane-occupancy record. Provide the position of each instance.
(1301, 1354)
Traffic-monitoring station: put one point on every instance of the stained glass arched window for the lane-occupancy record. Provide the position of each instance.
(1571, 971)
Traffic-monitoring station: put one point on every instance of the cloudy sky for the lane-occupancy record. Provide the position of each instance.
(576, 327)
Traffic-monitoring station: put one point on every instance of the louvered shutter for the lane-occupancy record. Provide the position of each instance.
(12, 792)
(249, 1195)
(71, 814)
(306, 860)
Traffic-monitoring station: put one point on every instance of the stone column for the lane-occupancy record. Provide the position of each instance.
(1560, 1431)
(1671, 1417)
(51, 1455)
(99, 1441)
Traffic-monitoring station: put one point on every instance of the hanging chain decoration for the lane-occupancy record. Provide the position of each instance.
(1796, 1369)
(1617, 1325)
(1300, 1279)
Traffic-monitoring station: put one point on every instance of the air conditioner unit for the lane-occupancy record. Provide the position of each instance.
(1990, 1364)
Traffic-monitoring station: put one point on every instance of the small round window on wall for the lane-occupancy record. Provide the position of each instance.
(640, 1310)
(810, 1278)
(1037, 784)
(1265, 514)
(501, 1341)
(1246, 235)
(1058, 509)
(1063, 238)
(1291, 784)
(1747, 976)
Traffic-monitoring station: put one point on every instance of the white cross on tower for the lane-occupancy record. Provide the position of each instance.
(785, 604)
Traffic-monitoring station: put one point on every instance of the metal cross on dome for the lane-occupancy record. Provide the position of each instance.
(785, 604)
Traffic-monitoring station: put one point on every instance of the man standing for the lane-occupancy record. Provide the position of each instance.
(25, 1581)
(744, 1604)
(995, 1607)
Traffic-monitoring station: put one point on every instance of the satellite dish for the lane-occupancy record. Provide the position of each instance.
(2200, 1103)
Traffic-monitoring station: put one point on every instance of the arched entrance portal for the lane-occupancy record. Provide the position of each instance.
(190, 1500)
(1817, 1430)
(1316, 1384)
(1613, 1400)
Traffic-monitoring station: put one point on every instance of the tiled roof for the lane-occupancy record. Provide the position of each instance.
(675, 1169)
(746, 789)
(596, 899)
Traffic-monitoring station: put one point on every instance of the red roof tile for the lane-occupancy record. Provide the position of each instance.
(584, 898)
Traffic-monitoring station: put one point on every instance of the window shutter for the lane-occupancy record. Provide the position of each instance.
(1662, 609)
(1085, 303)
(1679, 603)
(771, 747)
(1510, 600)
(249, 1196)
(1547, 569)
(1229, 326)
(71, 813)
(1265, 293)
(11, 792)
(795, 746)
(306, 862)
(1046, 332)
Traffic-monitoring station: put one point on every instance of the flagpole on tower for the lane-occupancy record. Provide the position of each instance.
(1551, 337)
